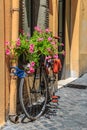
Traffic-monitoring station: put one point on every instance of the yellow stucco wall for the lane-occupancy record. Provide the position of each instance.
(67, 38)
(7, 38)
(75, 31)
(83, 37)
(2, 65)
(78, 50)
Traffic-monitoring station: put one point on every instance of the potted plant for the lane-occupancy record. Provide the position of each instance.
(42, 42)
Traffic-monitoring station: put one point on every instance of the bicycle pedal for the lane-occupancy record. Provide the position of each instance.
(54, 100)
(54, 97)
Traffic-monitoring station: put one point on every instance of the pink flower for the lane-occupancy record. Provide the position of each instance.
(48, 57)
(40, 39)
(7, 51)
(18, 43)
(7, 43)
(32, 70)
(32, 46)
(49, 60)
(62, 44)
(63, 52)
(55, 56)
(28, 65)
(37, 28)
(48, 49)
(28, 72)
(31, 49)
(47, 30)
(32, 63)
(49, 38)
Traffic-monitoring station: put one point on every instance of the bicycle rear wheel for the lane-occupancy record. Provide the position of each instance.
(33, 95)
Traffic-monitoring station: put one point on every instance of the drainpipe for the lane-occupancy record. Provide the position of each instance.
(13, 83)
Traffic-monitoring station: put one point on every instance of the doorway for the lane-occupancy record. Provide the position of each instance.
(61, 34)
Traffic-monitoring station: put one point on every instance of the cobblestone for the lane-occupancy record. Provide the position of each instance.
(70, 114)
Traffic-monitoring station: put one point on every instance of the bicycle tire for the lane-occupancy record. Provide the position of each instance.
(32, 106)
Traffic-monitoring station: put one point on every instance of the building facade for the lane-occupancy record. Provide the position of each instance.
(66, 18)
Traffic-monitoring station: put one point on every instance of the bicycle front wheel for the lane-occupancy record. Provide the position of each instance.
(33, 95)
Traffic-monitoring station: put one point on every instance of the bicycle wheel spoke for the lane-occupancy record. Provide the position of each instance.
(34, 100)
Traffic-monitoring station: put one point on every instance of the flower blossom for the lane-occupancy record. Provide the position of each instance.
(48, 57)
(62, 44)
(7, 51)
(49, 39)
(55, 56)
(49, 49)
(37, 28)
(31, 49)
(28, 65)
(7, 43)
(40, 39)
(47, 30)
(32, 63)
(18, 43)
(63, 53)
(32, 70)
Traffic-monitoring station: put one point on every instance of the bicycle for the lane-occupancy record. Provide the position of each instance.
(35, 90)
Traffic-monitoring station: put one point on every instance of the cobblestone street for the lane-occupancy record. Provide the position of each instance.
(70, 114)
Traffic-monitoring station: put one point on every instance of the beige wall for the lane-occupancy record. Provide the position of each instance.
(9, 29)
(7, 38)
(83, 36)
(72, 41)
(67, 38)
(78, 51)
(2, 65)
(53, 16)
(75, 31)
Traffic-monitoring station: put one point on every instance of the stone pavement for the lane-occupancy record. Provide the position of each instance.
(69, 114)
(80, 82)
